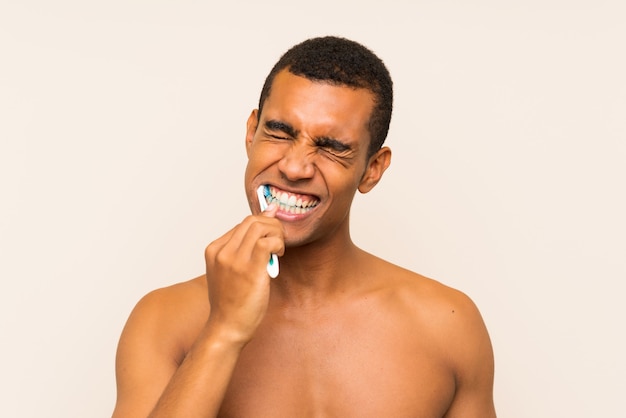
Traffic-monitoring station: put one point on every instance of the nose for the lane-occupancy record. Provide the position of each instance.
(297, 163)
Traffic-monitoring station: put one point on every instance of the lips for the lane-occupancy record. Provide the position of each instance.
(293, 203)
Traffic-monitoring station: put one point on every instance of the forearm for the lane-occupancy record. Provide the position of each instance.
(198, 386)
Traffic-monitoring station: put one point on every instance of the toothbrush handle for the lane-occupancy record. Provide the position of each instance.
(272, 266)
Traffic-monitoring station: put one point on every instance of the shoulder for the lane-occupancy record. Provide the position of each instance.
(444, 324)
(170, 315)
(154, 341)
(172, 298)
(447, 317)
(170, 303)
(455, 325)
(421, 294)
(442, 305)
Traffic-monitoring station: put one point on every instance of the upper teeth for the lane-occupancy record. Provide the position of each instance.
(286, 199)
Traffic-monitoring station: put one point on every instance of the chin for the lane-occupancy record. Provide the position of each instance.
(297, 240)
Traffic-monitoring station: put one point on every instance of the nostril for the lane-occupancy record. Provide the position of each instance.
(296, 168)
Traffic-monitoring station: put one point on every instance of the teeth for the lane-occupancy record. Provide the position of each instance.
(290, 203)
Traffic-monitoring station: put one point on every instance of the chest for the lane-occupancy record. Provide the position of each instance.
(338, 368)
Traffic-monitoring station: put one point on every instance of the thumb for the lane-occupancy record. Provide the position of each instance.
(271, 210)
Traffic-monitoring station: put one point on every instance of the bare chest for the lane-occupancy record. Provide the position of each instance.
(332, 368)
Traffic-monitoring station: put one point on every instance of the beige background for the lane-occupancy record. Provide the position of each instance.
(121, 127)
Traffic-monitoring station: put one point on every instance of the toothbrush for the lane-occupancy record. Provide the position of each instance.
(272, 265)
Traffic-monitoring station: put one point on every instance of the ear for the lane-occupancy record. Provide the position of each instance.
(251, 126)
(376, 166)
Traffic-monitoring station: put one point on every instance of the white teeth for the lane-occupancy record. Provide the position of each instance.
(290, 203)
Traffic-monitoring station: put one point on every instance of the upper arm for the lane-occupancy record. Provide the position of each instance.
(473, 364)
(146, 359)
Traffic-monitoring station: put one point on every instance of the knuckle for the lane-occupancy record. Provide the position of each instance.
(210, 251)
(257, 228)
(222, 258)
(248, 220)
(270, 245)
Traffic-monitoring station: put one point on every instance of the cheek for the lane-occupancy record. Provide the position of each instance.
(260, 157)
(341, 179)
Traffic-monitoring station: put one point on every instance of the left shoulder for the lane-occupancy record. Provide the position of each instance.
(429, 297)
(447, 316)
(455, 326)
(446, 323)
(447, 308)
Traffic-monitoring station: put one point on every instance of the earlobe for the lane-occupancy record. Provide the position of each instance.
(376, 166)
(251, 126)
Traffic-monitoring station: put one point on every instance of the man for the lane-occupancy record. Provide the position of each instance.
(339, 332)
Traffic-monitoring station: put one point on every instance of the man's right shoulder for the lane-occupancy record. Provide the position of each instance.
(174, 299)
(171, 316)
(154, 342)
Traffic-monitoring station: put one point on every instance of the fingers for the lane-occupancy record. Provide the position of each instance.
(237, 278)
(252, 241)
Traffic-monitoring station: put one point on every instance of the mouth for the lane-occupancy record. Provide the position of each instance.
(288, 202)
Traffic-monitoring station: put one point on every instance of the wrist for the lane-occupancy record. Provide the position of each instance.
(224, 335)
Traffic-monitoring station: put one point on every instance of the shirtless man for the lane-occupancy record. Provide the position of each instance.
(339, 332)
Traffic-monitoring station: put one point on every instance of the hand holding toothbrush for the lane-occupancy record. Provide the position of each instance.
(237, 275)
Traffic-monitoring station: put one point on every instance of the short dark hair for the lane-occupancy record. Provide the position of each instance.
(341, 62)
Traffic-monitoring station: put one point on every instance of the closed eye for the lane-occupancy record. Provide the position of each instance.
(333, 145)
(280, 130)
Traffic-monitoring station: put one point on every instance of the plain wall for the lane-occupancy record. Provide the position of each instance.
(122, 126)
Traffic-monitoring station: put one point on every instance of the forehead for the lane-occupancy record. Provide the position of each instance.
(319, 106)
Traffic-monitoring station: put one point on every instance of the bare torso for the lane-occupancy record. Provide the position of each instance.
(371, 353)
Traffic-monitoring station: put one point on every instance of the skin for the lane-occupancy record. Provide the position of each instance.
(339, 332)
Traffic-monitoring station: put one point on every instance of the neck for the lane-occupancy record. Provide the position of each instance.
(318, 271)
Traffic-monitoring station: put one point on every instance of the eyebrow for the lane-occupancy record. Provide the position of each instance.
(322, 141)
(275, 125)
